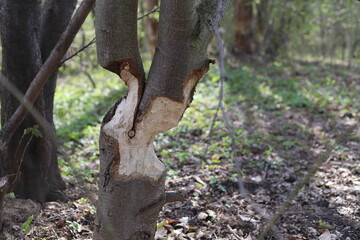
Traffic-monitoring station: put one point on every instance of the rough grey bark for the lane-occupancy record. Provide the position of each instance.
(20, 23)
(21, 61)
(132, 178)
(55, 16)
(4, 184)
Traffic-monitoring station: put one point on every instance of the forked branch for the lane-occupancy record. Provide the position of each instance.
(180, 59)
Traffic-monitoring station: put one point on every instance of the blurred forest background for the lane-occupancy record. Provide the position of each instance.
(291, 88)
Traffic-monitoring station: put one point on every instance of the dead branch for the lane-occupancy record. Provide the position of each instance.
(79, 51)
(155, 9)
(29, 107)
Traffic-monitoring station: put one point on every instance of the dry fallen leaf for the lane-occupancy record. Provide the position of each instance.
(160, 233)
(248, 219)
(202, 216)
(325, 236)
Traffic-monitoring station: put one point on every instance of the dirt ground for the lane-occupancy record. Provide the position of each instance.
(327, 208)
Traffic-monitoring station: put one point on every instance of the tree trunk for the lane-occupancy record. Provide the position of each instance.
(132, 178)
(322, 33)
(55, 16)
(23, 54)
(245, 37)
(152, 26)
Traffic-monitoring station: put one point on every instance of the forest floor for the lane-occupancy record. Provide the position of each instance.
(286, 119)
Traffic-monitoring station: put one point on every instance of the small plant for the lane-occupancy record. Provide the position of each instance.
(26, 225)
(11, 195)
(33, 130)
(254, 164)
(73, 225)
(214, 182)
(289, 144)
(323, 224)
(161, 224)
(82, 200)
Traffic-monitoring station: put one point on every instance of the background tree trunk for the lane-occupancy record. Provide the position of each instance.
(55, 16)
(152, 26)
(244, 23)
(132, 178)
(23, 54)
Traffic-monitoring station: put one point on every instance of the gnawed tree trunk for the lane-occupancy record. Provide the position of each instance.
(152, 26)
(23, 55)
(132, 178)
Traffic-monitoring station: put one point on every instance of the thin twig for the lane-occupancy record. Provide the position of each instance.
(234, 232)
(211, 131)
(79, 51)
(155, 9)
(229, 126)
(17, 176)
(318, 163)
(341, 139)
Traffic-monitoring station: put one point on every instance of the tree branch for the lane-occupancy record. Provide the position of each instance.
(29, 107)
(181, 53)
(79, 51)
(116, 36)
(172, 55)
(117, 46)
(155, 9)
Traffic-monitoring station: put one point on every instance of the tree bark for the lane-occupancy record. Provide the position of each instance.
(55, 17)
(132, 178)
(22, 58)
